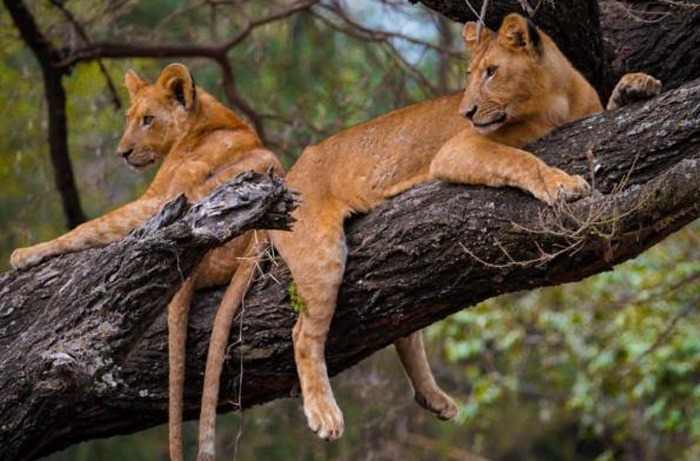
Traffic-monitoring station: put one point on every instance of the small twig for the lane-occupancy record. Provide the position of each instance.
(116, 100)
(252, 25)
(363, 33)
(473, 10)
(480, 23)
(529, 9)
(639, 15)
(563, 222)
(681, 4)
(662, 337)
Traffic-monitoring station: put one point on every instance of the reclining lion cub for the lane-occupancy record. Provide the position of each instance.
(202, 144)
(520, 88)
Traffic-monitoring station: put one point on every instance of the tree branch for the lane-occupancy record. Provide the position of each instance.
(58, 4)
(414, 260)
(217, 53)
(95, 334)
(55, 95)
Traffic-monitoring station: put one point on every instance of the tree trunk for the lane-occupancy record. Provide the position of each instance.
(83, 343)
(657, 37)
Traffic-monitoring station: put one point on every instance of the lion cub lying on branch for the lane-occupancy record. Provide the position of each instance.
(520, 88)
(202, 144)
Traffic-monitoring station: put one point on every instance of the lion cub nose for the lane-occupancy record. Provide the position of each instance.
(125, 153)
(469, 111)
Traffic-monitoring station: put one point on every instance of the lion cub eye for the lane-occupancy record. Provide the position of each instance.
(491, 71)
(147, 120)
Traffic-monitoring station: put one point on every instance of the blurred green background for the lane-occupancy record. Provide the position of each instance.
(605, 369)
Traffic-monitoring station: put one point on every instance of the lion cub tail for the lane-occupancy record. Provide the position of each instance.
(177, 334)
(230, 303)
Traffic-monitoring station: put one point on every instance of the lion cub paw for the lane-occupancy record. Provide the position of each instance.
(560, 186)
(632, 88)
(23, 258)
(324, 417)
(439, 403)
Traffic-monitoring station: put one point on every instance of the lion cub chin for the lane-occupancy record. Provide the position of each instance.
(469, 139)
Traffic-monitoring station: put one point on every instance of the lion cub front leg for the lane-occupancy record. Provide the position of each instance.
(315, 253)
(632, 88)
(98, 232)
(469, 158)
(427, 393)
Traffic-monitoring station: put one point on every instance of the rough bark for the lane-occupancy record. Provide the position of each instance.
(657, 37)
(80, 359)
(69, 326)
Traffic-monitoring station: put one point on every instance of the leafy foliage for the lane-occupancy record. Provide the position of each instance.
(616, 355)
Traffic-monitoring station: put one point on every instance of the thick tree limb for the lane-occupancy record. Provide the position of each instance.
(81, 356)
(72, 323)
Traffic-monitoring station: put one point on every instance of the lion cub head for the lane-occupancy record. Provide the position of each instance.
(161, 113)
(513, 75)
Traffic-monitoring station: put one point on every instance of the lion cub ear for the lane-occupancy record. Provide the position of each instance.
(519, 34)
(133, 82)
(179, 83)
(469, 35)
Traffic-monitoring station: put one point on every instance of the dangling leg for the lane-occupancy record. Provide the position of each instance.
(215, 269)
(178, 310)
(315, 253)
(426, 391)
(219, 341)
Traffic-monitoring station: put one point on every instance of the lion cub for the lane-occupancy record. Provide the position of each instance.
(520, 88)
(202, 144)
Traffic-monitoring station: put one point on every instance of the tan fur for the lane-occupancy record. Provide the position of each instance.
(201, 144)
(633, 87)
(519, 89)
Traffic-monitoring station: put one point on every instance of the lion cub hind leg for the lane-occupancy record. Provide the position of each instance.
(469, 158)
(232, 300)
(427, 393)
(632, 88)
(215, 269)
(319, 290)
(178, 310)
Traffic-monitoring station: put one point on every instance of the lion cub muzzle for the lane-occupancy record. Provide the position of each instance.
(137, 159)
(482, 119)
(469, 111)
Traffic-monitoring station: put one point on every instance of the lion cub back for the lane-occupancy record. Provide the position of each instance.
(372, 161)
